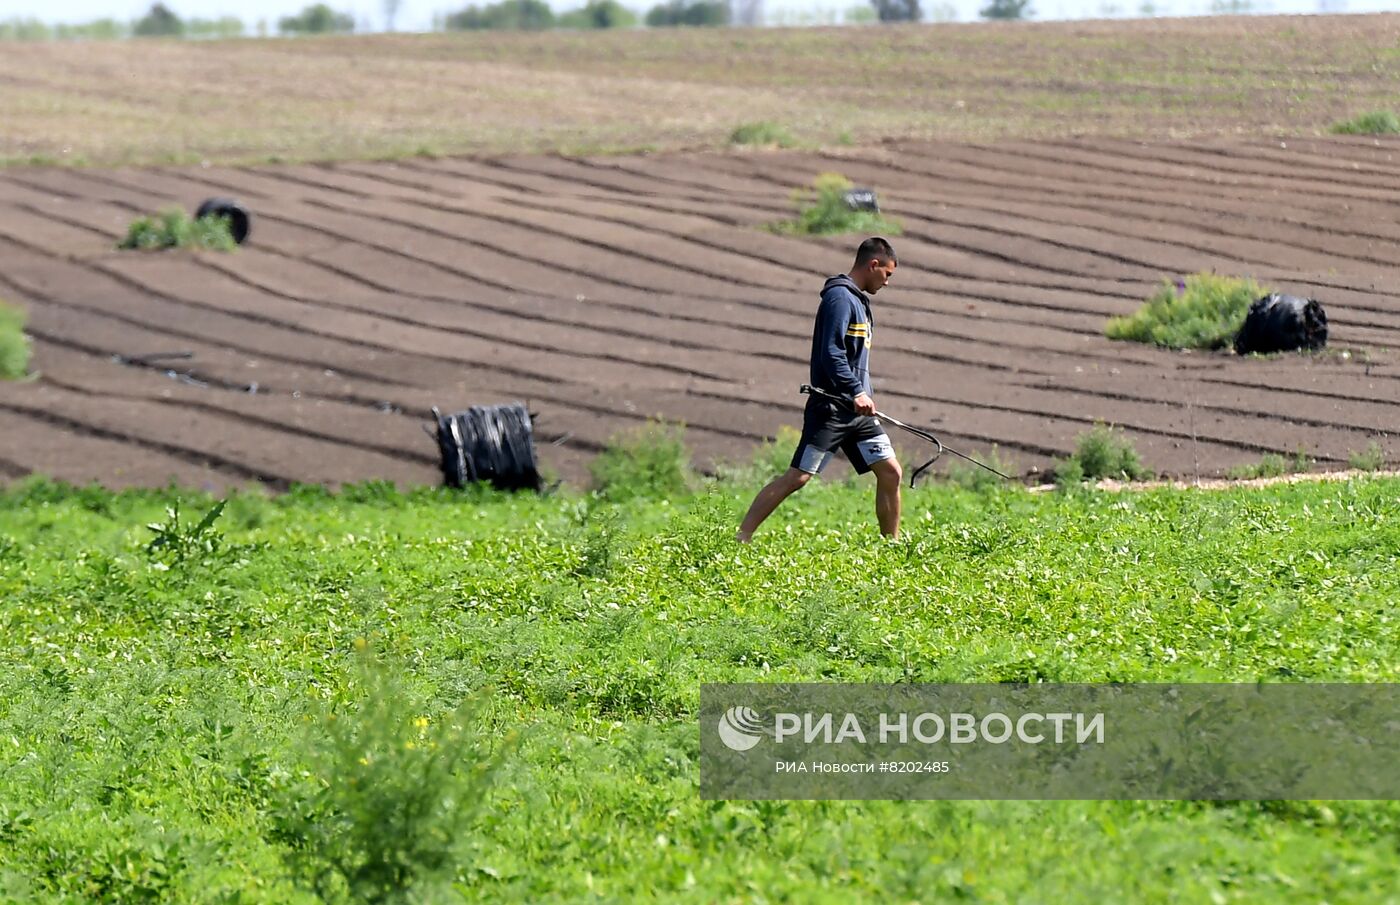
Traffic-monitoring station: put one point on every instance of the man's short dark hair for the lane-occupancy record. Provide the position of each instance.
(875, 248)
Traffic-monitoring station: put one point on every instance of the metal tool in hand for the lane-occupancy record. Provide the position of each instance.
(918, 432)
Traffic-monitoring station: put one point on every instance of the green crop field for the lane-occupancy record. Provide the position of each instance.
(145, 102)
(443, 697)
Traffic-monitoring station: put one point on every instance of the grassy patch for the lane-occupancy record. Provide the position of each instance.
(762, 134)
(649, 461)
(1372, 458)
(1204, 311)
(173, 228)
(689, 88)
(457, 696)
(970, 477)
(1273, 465)
(14, 345)
(1377, 122)
(822, 211)
(1101, 452)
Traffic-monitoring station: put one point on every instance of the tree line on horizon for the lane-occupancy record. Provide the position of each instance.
(508, 15)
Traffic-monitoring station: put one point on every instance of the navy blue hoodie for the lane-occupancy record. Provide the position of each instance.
(841, 339)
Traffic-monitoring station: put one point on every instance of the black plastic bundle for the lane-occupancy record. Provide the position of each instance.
(240, 222)
(1282, 323)
(489, 443)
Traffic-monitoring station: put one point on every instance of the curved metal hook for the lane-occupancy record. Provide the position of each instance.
(916, 431)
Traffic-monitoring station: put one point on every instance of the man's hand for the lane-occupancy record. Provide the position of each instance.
(863, 404)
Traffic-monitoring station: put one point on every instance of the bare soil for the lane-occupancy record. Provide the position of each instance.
(608, 290)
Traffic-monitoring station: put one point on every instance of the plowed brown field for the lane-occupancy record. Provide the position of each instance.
(604, 291)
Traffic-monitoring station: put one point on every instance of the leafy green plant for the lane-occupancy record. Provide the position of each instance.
(177, 543)
(1006, 10)
(1271, 465)
(599, 14)
(387, 796)
(317, 19)
(772, 458)
(184, 751)
(1372, 458)
(159, 22)
(762, 134)
(648, 461)
(822, 210)
(1376, 122)
(1204, 311)
(969, 476)
(173, 228)
(1101, 452)
(14, 345)
(695, 13)
(509, 15)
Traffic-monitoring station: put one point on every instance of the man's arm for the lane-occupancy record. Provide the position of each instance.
(833, 320)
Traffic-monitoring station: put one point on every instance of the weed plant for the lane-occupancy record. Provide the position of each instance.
(14, 345)
(1204, 311)
(971, 477)
(762, 134)
(648, 461)
(1376, 122)
(173, 228)
(1372, 458)
(1101, 452)
(1270, 466)
(444, 696)
(822, 211)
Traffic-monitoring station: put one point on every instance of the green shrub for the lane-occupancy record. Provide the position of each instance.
(317, 19)
(763, 134)
(1270, 466)
(1204, 311)
(897, 10)
(386, 798)
(1101, 453)
(159, 22)
(971, 477)
(1377, 122)
(173, 228)
(822, 211)
(1372, 458)
(510, 15)
(769, 460)
(599, 14)
(1006, 10)
(648, 461)
(14, 345)
(698, 13)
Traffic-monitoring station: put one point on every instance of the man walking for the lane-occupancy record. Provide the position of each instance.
(841, 365)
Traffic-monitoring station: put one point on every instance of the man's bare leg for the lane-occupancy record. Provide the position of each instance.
(888, 477)
(770, 497)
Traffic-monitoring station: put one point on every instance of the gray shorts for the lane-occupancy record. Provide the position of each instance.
(826, 428)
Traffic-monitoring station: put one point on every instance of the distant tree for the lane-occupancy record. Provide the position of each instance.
(391, 12)
(1006, 9)
(599, 14)
(159, 22)
(699, 13)
(897, 10)
(317, 19)
(512, 15)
